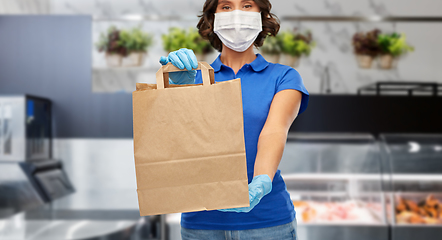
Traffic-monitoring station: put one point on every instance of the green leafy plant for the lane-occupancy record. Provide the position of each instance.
(394, 44)
(135, 40)
(271, 46)
(197, 43)
(180, 38)
(109, 42)
(295, 43)
(366, 43)
(124, 41)
(174, 40)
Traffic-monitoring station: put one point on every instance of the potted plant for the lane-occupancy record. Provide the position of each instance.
(271, 49)
(174, 40)
(110, 44)
(392, 47)
(178, 38)
(200, 46)
(294, 45)
(136, 42)
(366, 47)
(124, 47)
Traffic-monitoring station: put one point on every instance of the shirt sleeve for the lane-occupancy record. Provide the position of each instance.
(293, 80)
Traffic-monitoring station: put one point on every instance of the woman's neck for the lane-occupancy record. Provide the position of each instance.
(236, 60)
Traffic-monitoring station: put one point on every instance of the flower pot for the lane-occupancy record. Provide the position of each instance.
(292, 61)
(113, 59)
(273, 58)
(134, 59)
(386, 61)
(364, 61)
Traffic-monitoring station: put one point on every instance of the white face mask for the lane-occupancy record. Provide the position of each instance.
(237, 29)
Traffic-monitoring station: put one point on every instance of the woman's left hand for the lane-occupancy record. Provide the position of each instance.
(260, 186)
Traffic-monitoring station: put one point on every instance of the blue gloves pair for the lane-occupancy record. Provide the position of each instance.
(260, 186)
(183, 58)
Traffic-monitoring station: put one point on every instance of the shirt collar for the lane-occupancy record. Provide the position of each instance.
(258, 64)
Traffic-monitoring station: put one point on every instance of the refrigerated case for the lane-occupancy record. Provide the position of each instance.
(413, 189)
(335, 183)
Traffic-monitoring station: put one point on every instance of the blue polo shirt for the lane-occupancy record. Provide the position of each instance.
(260, 81)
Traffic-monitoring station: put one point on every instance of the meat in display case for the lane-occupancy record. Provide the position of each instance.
(335, 183)
(413, 189)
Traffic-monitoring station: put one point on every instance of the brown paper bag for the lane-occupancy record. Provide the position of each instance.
(189, 144)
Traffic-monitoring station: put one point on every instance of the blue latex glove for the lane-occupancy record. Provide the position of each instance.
(260, 186)
(183, 58)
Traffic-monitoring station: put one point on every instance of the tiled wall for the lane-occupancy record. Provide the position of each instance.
(334, 49)
(280, 7)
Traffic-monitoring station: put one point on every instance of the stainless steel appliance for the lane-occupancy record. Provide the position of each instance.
(335, 183)
(413, 189)
(34, 186)
(26, 137)
(25, 123)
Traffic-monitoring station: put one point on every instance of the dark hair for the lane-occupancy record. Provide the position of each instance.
(270, 23)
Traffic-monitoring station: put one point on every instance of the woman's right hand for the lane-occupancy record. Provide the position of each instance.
(183, 58)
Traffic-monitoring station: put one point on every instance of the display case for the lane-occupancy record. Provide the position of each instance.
(413, 188)
(335, 183)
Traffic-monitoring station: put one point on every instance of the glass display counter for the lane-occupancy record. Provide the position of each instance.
(335, 183)
(413, 186)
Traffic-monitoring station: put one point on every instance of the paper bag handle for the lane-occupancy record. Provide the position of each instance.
(163, 74)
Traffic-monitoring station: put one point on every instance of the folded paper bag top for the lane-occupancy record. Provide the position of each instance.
(189, 144)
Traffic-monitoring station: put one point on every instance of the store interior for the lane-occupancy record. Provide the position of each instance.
(362, 162)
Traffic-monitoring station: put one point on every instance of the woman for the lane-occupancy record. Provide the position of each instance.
(273, 95)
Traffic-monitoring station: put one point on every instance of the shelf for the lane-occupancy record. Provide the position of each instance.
(404, 87)
(353, 138)
(364, 18)
(330, 176)
(327, 194)
(341, 224)
(339, 176)
(140, 17)
(408, 225)
(146, 69)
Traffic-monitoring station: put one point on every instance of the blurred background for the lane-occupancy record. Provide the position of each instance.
(362, 162)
